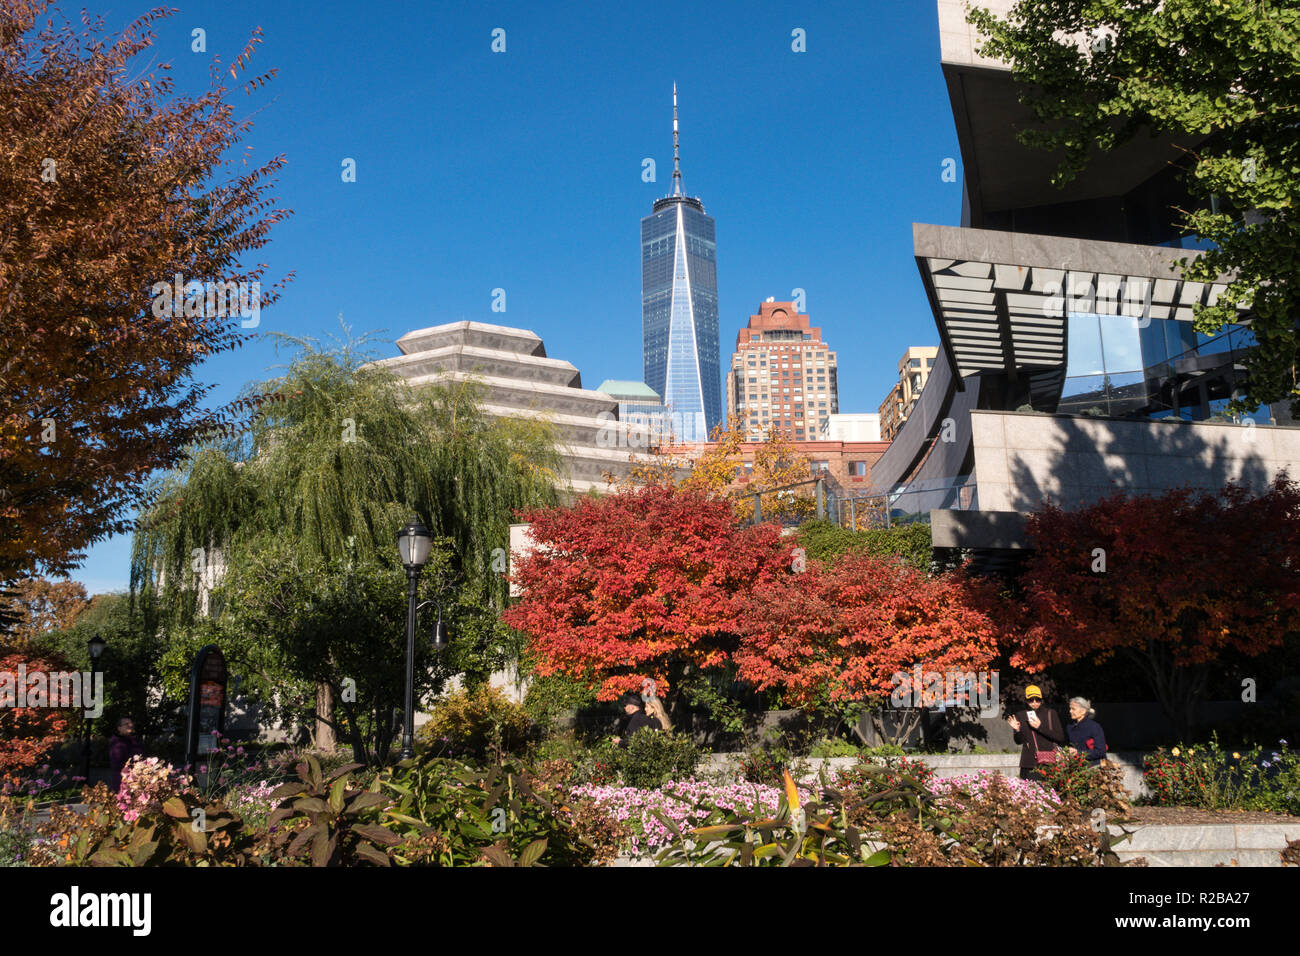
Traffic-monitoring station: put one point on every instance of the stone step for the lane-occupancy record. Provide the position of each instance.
(520, 394)
(484, 362)
(478, 334)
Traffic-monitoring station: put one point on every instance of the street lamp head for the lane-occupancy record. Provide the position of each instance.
(96, 647)
(413, 543)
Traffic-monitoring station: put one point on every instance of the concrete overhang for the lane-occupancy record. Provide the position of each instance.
(1000, 299)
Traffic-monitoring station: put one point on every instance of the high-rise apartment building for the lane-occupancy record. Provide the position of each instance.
(782, 374)
(913, 371)
(679, 307)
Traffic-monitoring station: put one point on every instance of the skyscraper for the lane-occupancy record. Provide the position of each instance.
(679, 307)
(782, 375)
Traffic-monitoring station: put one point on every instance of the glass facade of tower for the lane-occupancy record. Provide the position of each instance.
(1123, 367)
(679, 314)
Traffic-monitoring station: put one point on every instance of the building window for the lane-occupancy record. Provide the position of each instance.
(858, 469)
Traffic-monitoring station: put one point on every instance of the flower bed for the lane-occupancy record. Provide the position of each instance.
(677, 800)
(1026, 793)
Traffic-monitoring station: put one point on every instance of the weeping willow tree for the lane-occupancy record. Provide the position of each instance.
(279, 541)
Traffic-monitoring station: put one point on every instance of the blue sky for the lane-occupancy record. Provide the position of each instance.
(521, 170)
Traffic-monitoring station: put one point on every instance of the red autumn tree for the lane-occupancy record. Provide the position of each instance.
(1172, 581)
(840, 632)
(27, 733)
(110, 188)
(647, 583)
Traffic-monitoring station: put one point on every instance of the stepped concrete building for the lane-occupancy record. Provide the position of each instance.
(522, 381)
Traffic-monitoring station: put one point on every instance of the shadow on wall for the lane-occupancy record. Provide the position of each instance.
(1077, 461)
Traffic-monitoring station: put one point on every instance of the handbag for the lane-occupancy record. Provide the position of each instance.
(1042, 756)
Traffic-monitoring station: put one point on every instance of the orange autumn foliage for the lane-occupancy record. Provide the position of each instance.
(109, 185)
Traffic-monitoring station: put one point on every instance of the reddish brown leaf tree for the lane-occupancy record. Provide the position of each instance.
(38, 605)
(110, 188)
(1172, 581)
(646, 583)
(840, 632)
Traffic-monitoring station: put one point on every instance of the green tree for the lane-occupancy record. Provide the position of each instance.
(130, 663)
(280, 540)
(1221, 78)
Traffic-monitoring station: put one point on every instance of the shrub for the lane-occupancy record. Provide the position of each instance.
(252, 803)
(834, 747)
(477, 724)
(1073, 777)
(551, 697)
(148, 782)
(1279, 786)
(825, 541)
(653, 757)
(599, 765)
(765, 763)
(899, 824)
(230, 767)
(67, 837)
(1208, 777)
(650, 759)
(889, 771)
(17, 832)
(564, 746)
(450, 814)
(341, 827)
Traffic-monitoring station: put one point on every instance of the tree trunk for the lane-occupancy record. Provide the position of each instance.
(1177, 689)
(325, 739)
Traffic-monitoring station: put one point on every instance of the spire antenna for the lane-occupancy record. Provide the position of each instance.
(677, 170)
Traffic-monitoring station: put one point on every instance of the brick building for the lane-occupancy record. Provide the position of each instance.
(846, 464)
(782, 374)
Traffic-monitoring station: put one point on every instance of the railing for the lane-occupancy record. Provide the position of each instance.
(904, 506)
(785, 511)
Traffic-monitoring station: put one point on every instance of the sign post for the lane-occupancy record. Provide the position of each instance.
(207, 703)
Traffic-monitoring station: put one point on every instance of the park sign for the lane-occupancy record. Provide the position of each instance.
(207, 714)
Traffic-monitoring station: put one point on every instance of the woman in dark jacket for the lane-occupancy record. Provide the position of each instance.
(122, 746)
(1036, 728)
(637, 718)
(1086, 735)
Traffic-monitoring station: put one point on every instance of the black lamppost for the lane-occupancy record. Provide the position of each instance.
(96, 647)
(413, 543)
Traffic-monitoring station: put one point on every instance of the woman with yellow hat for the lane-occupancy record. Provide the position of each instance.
(1039, 732)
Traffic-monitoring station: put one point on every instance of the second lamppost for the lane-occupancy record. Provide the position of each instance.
(94, 647)
(413, 543)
